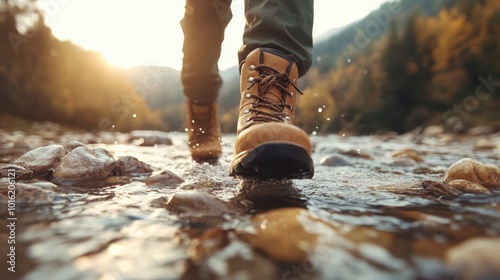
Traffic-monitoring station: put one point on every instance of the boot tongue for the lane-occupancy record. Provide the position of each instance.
(282, 63)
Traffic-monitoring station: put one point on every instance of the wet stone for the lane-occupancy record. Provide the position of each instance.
(408, 153)
(165, 178)
(84, 163)
(38, 192)
(474, 171)
(334, 161)
(403, 162)
(129, 165)
(71, 145)
(484, 144)
(150, 137)
(355, 153)
(468, 187)
(276, 233)
(196, 204)
(439, 189)
(16, 171)
(476, 258)
(41, 160)
(433, 131)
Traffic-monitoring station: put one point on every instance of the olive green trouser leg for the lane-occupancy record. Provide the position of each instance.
(203, 26)
(284, 25)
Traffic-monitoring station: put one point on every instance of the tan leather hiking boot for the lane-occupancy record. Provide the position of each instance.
(204, 137)
(268, 145)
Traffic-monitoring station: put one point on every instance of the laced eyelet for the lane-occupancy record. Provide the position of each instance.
(291, 108)
(248, 95)
(250, 79)
(291, 93)
(252, 67)
(287, 118)
(246, 111)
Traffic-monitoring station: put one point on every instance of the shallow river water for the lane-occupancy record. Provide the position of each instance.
(367, 220)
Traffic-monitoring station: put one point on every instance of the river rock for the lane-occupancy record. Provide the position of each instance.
(41, 160)
(284, 234)
(129, 165)
(221, 255)
(150, 137)
(408, 153)
(433, 131)
(84, 163)
(476, 258)
(439, 189)
(355, 153)
(71, 145)
(484, 144)
(403, 162)
(475, 172)
(164, 179)
(40, 192)
(196, 204)
(334, 161)
(468, 187)
(16, 171)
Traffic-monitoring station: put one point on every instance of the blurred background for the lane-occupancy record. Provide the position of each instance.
(378, 66)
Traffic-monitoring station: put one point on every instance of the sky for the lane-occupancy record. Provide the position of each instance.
(147, 32)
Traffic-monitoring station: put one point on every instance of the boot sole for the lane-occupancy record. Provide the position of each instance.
(274, 161)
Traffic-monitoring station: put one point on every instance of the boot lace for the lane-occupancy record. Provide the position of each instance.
(268, 77)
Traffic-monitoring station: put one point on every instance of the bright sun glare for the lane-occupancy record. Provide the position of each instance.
(131, 32)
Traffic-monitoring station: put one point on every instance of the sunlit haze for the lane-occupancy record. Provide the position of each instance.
(132, 32)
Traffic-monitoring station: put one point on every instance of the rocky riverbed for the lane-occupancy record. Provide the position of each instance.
(423, 205)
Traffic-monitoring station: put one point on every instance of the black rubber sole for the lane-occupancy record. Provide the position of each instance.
(274, 161)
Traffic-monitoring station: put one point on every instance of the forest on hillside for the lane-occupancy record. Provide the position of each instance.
(411, 63)
(430, 65)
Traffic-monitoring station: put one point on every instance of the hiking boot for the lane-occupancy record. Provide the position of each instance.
(204, 137)
(268, 145)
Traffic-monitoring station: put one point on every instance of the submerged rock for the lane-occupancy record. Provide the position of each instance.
(84, 163)
(38, 192)
(476, 258)
(334, 161)
(129, 165)
(16, 171)
(165, 178)
(408, 153)
(355, 153)
(150, 137)
(403, 162)
(194, 203)
(41, 160)
(439, 189)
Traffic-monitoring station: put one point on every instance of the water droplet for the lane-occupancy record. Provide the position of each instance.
(192, 121)
(134, 116)
(318, 58)
(328, 119)
(113, 126)
(314, 133)
(349, 60)
(186, 129)
(343, 134)
(320, 110)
